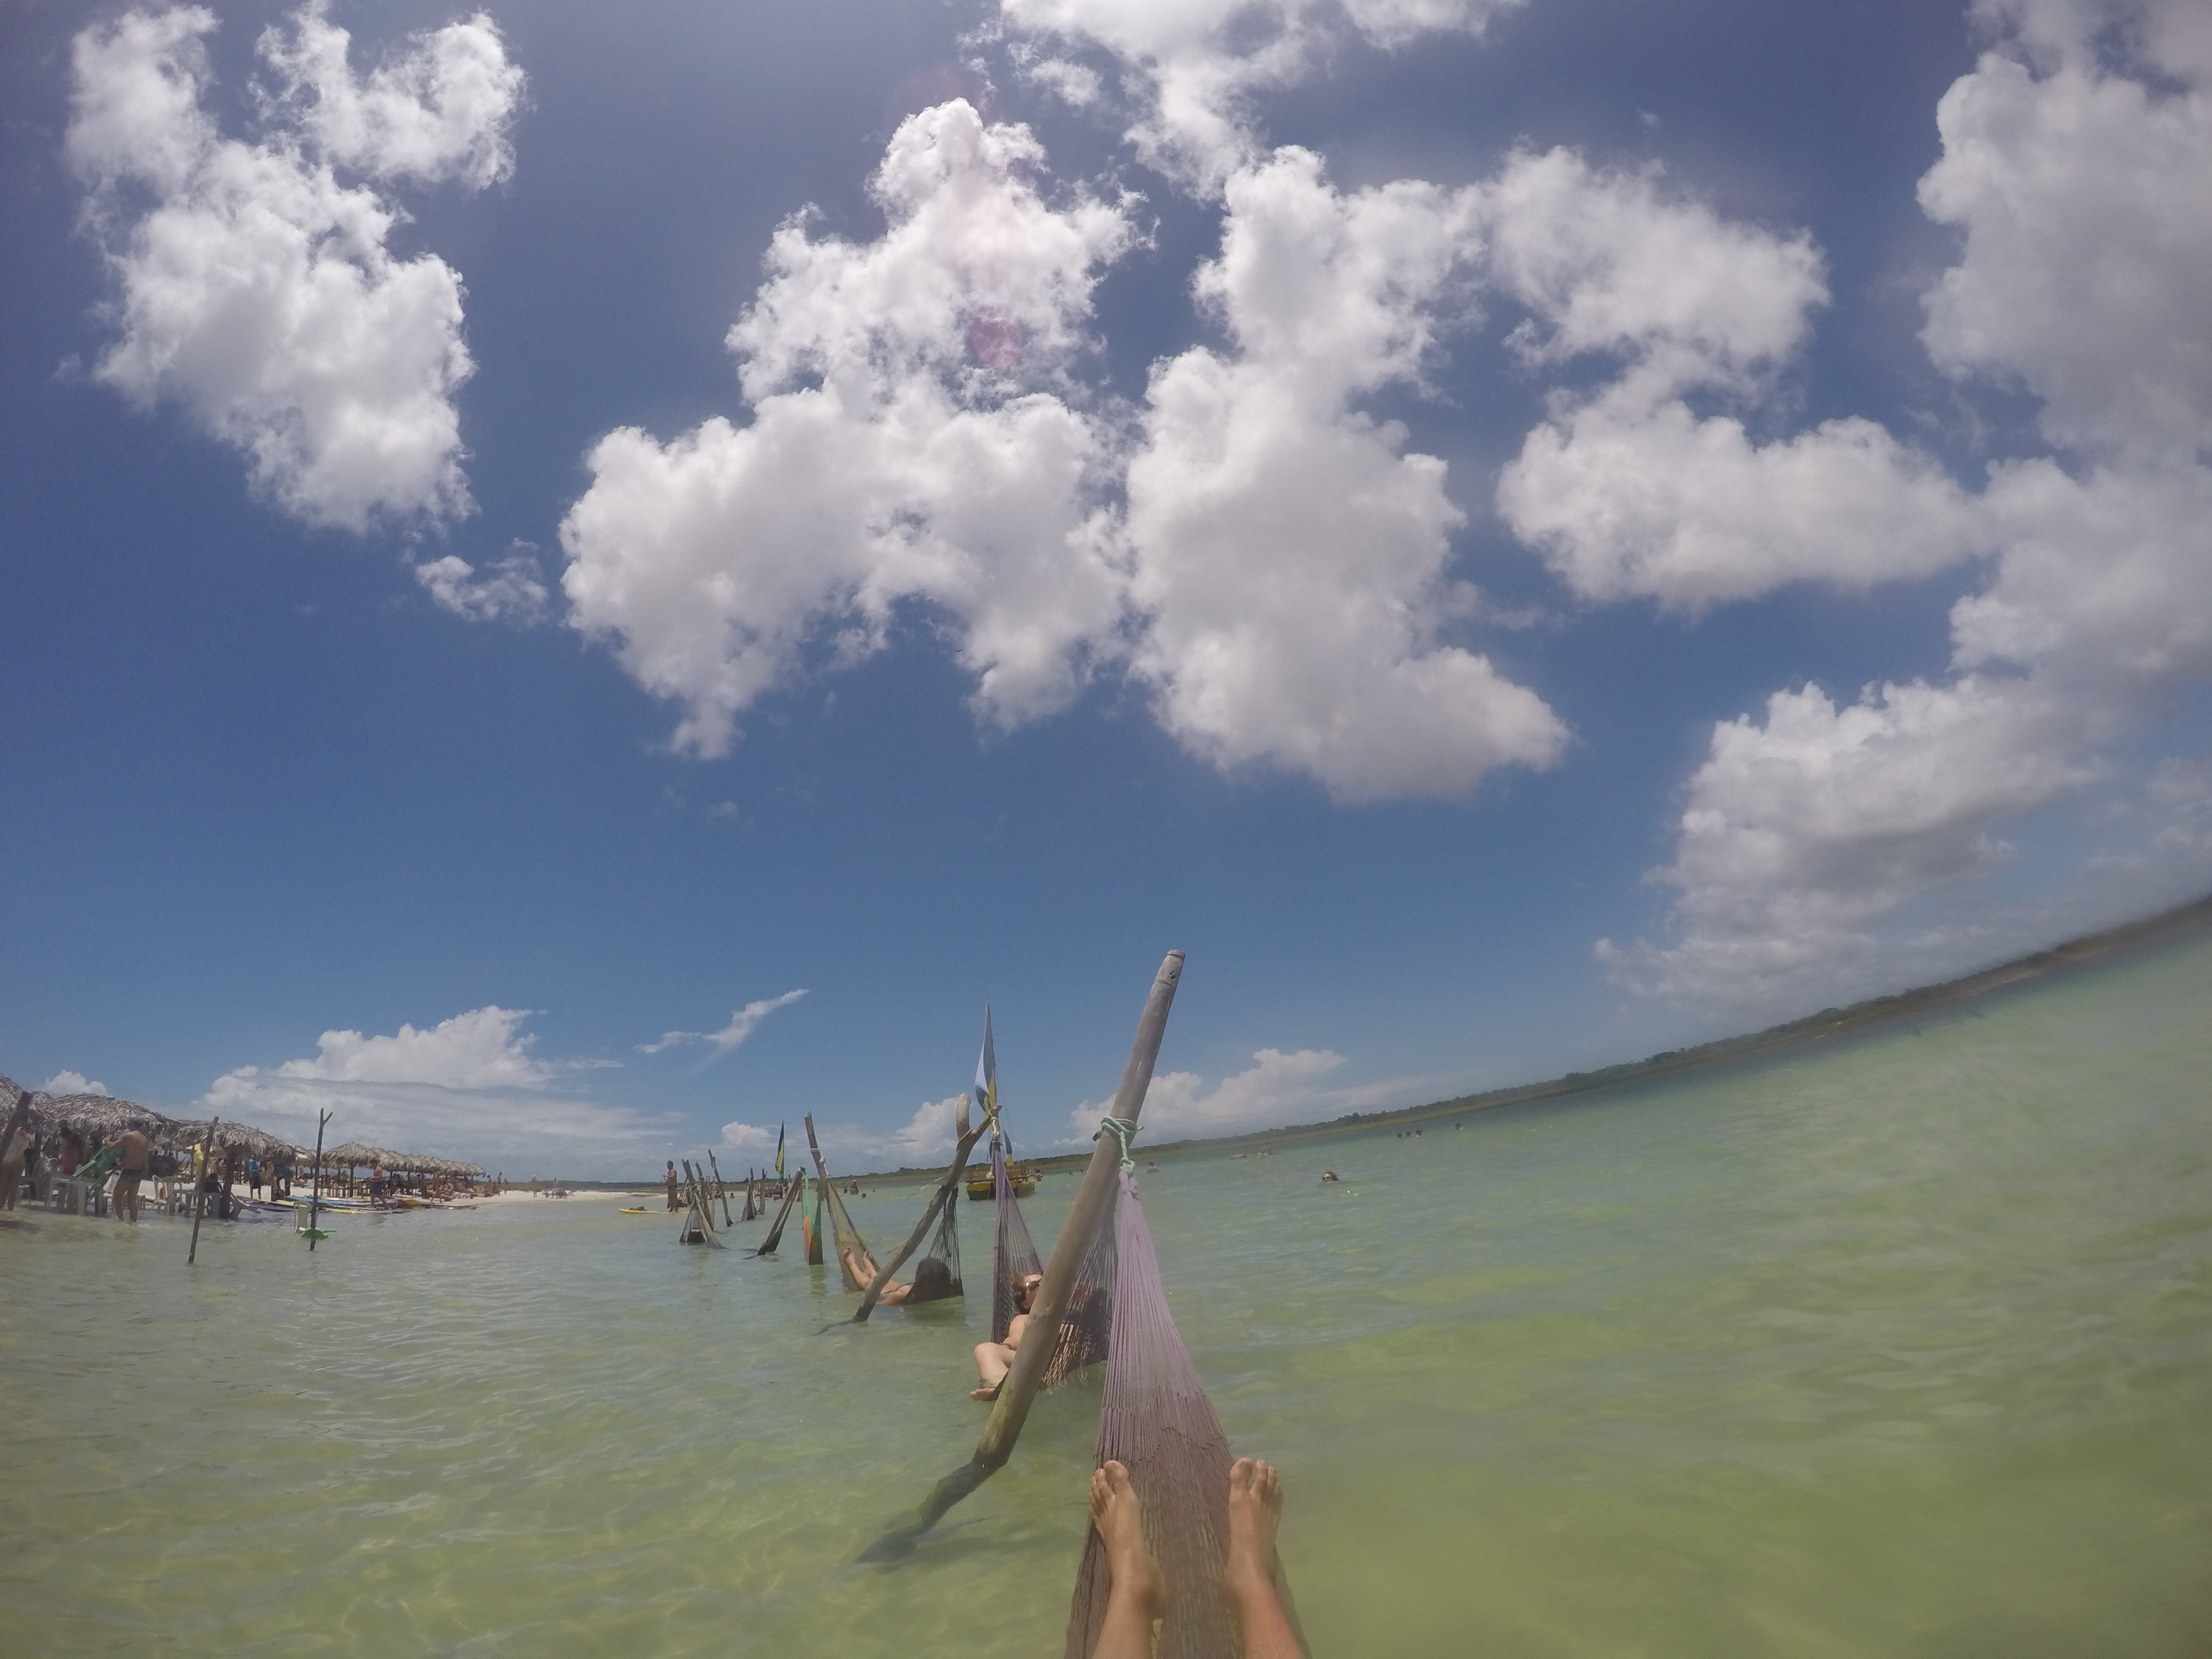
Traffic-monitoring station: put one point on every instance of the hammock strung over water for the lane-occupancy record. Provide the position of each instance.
(1083, 1332)
(698, 1226)
(855, 1265)
(937, 1276)
(1154, 1417)
(791, 1190)
(1103, 1283)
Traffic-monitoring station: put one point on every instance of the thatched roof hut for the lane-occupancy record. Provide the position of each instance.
(107, 1116)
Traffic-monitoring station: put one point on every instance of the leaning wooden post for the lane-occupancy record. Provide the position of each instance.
(199, 1191)
(721, 1191)
(790, 1191)
(936, 1202)
(698, 1194)
(315, 1194)
(1094, 1203)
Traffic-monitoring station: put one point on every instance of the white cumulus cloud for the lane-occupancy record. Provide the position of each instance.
(1626, 491)
(1191, 69)
(255, 287)
(1278, 1088)
(1289, 562)
(482, 1048)
(1807, 837)
(914, 439)
(509, 591)
(71, 1083)
(468, 1087)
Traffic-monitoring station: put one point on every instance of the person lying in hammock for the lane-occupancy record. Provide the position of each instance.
(933, 1278)
(1136, 1594)
(994, 1359)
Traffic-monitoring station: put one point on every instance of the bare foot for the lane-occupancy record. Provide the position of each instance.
(988, 1391)
(1120, 1518)
(1255, 1506)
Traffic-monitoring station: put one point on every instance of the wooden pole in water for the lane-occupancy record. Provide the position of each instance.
(1094, 1202)
(315, 1192)
(721, 1191)
(199, 1190)
(820, 1253)
(698, 1194)
(936, 1202)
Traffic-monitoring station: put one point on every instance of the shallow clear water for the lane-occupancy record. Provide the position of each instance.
(1901, 1348)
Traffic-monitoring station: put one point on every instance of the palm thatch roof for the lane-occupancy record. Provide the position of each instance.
(107, 1116)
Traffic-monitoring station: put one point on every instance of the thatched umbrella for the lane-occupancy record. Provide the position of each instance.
(104, 1116)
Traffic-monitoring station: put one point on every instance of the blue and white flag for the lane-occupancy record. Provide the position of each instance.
(987, 1074)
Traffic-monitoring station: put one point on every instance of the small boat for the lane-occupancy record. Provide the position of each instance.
(1022, 1177)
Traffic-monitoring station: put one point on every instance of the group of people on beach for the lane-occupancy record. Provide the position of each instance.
(32, 1166)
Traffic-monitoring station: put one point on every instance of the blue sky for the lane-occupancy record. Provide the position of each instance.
(1517, 535)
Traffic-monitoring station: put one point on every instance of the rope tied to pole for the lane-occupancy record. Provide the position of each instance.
(1123, 1131)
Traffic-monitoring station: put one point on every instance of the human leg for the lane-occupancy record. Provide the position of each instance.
(1255, 1506)
(993, 1361)
(1136, 1594)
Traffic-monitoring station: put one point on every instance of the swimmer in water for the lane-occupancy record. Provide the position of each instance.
(1326, 1176)
(1137, 1590)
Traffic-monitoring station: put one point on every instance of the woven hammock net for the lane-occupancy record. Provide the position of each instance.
(1085, 1329)
(943, 1244)
(783, 1215)
(1014, 1252)
(854, 1264)
(814, 1233)
(1155, 1418)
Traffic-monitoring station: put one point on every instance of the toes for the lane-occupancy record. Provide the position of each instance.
(1116, 1474)
(1240, 1474)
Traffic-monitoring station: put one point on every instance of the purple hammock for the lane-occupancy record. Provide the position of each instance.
(1153, 1417)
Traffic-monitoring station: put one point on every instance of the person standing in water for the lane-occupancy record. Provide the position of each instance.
(132, 1153)
(670, 1180)
(1137, 1591)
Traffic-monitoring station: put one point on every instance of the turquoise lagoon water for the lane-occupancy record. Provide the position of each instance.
(1900, 1347)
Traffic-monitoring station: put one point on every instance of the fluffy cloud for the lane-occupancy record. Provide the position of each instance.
(742, 1025)
(924, 1139)
(1628, 492)
(1290, 563)
(482, 1048)
(1193, 68)
(255, 288)
(1275, 570)
(468, 1087)
(2086, 234)
(914, 439)
(1276, 1089)
(509, 591)
(71, 1083)
(1802, 830)
(2087, 241)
